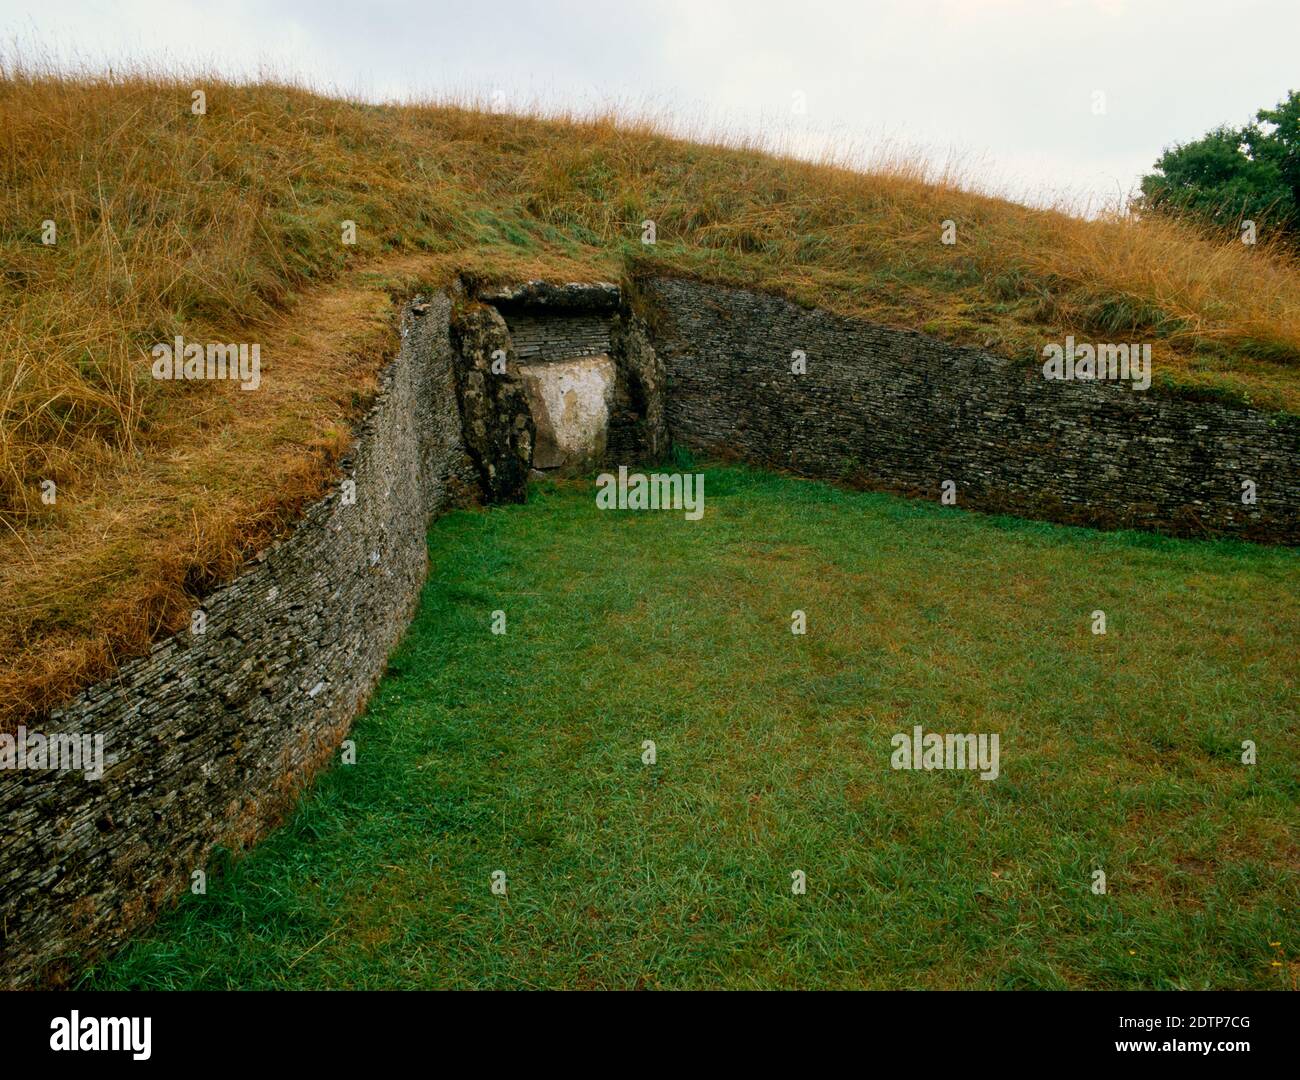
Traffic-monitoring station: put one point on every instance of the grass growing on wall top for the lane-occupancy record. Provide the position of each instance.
(523, 752)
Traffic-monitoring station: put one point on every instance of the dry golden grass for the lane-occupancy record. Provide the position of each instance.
(226, 227)
(126, 551)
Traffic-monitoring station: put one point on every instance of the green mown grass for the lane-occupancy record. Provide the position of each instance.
(522, 753)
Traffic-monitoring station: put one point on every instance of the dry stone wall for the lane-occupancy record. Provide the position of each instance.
(897, 410)
(211, 736)
(564, 337)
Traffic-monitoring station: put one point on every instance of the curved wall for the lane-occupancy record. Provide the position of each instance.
(210, 737)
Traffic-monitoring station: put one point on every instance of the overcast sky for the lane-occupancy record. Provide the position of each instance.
(1010, 87)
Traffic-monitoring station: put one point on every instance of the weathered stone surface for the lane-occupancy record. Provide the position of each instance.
(897, 410)
(498, 427)
(639, 424)
(570, 403)
(566, 322)
(551, 297)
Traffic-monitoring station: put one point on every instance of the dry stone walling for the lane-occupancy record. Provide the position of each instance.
(897, 410)
(210, 737)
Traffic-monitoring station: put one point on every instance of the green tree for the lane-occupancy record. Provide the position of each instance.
(1235, 174)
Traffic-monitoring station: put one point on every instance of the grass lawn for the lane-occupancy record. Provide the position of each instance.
(522, 752)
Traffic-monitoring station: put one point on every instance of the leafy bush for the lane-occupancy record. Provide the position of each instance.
(1235, 174)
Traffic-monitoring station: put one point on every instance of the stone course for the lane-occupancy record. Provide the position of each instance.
(897, 410)
(545, 338)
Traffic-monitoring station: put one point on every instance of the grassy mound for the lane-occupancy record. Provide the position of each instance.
(523, 752)
(227, 226)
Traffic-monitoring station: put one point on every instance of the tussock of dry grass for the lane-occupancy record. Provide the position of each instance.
(227, 227)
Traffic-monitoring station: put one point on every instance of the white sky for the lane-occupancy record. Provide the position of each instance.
(1005, 86)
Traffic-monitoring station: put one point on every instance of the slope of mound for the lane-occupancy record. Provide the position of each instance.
(230, 225)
